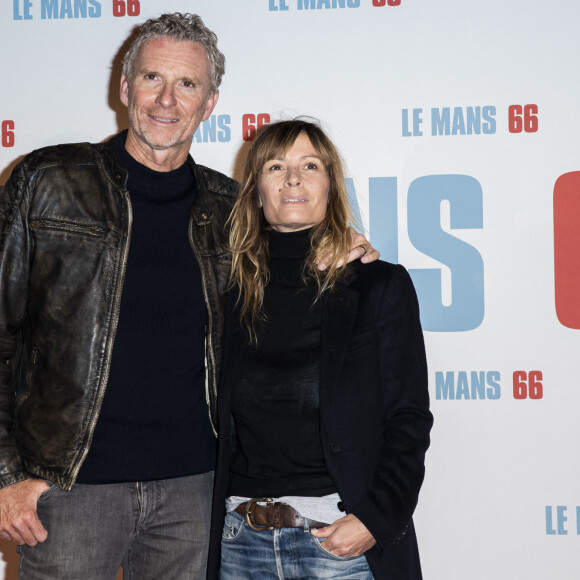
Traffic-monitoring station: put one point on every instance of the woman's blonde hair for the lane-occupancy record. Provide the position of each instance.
(249, 228)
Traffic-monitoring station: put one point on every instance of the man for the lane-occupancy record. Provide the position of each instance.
(113, 257)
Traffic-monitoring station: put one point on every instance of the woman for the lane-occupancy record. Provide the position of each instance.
(323, 407)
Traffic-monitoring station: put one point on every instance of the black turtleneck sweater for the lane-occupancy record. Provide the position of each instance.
(275, 402)
(154, 420)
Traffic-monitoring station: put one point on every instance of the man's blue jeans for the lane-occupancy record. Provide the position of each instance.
(156, 530)
(285, 553)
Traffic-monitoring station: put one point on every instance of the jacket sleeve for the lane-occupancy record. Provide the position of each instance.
(15, 253)
(387, 508)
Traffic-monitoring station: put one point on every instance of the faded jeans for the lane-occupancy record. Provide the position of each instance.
(282, 554)
(155, 530)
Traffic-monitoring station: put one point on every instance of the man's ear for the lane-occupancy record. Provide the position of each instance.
(124, 90)
(210, 105)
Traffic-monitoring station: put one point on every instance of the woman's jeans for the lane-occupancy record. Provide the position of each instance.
(284, 553)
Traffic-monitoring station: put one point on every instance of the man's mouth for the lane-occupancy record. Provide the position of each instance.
(163, 120)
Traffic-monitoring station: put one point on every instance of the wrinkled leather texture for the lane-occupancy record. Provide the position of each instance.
(65, 219)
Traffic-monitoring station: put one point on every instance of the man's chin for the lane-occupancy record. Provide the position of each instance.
(162, 142)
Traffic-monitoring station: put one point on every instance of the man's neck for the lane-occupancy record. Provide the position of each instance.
(162, 160)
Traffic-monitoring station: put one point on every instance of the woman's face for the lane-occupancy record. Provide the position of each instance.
(293, 189)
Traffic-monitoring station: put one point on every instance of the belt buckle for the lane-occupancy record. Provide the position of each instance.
(249, 504)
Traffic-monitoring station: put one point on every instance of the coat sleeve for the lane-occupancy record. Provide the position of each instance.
(15, 252)
(387, 508)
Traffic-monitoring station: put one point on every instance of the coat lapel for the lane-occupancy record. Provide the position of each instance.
(339, 310)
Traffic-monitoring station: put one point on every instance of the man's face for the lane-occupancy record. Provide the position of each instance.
(169, 96)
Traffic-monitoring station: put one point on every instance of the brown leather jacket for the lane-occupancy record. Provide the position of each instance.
(65, 230)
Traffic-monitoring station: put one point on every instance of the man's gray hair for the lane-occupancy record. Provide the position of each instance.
(180, 27)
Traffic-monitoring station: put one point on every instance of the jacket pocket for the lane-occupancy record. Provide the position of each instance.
(23, 393)
(67, 227)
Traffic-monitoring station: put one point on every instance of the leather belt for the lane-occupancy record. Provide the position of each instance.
(273, 515)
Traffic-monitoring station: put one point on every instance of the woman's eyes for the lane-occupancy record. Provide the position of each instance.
(278, 167)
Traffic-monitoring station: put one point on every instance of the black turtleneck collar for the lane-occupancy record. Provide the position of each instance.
(152, 184)
(289, 245)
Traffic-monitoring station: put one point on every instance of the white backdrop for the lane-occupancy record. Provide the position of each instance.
(455, 119)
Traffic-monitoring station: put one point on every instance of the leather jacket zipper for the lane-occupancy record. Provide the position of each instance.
(111, 340)
(209, 346)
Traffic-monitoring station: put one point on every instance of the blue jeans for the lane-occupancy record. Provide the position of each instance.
(155, 530)
(283, 553)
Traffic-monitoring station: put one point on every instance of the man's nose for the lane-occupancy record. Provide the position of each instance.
(167, 96)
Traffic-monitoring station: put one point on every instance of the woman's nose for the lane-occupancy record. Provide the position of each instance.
(293, 176)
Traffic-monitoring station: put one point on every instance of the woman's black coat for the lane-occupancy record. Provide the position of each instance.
(374, 411)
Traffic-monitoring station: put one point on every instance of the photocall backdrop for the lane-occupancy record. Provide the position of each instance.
(459, 124)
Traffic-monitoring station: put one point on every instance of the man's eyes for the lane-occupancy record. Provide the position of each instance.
(155, 76)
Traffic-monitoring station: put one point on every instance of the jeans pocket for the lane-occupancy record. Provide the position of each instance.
(320, 545)
(48, 492)
(233, 526)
